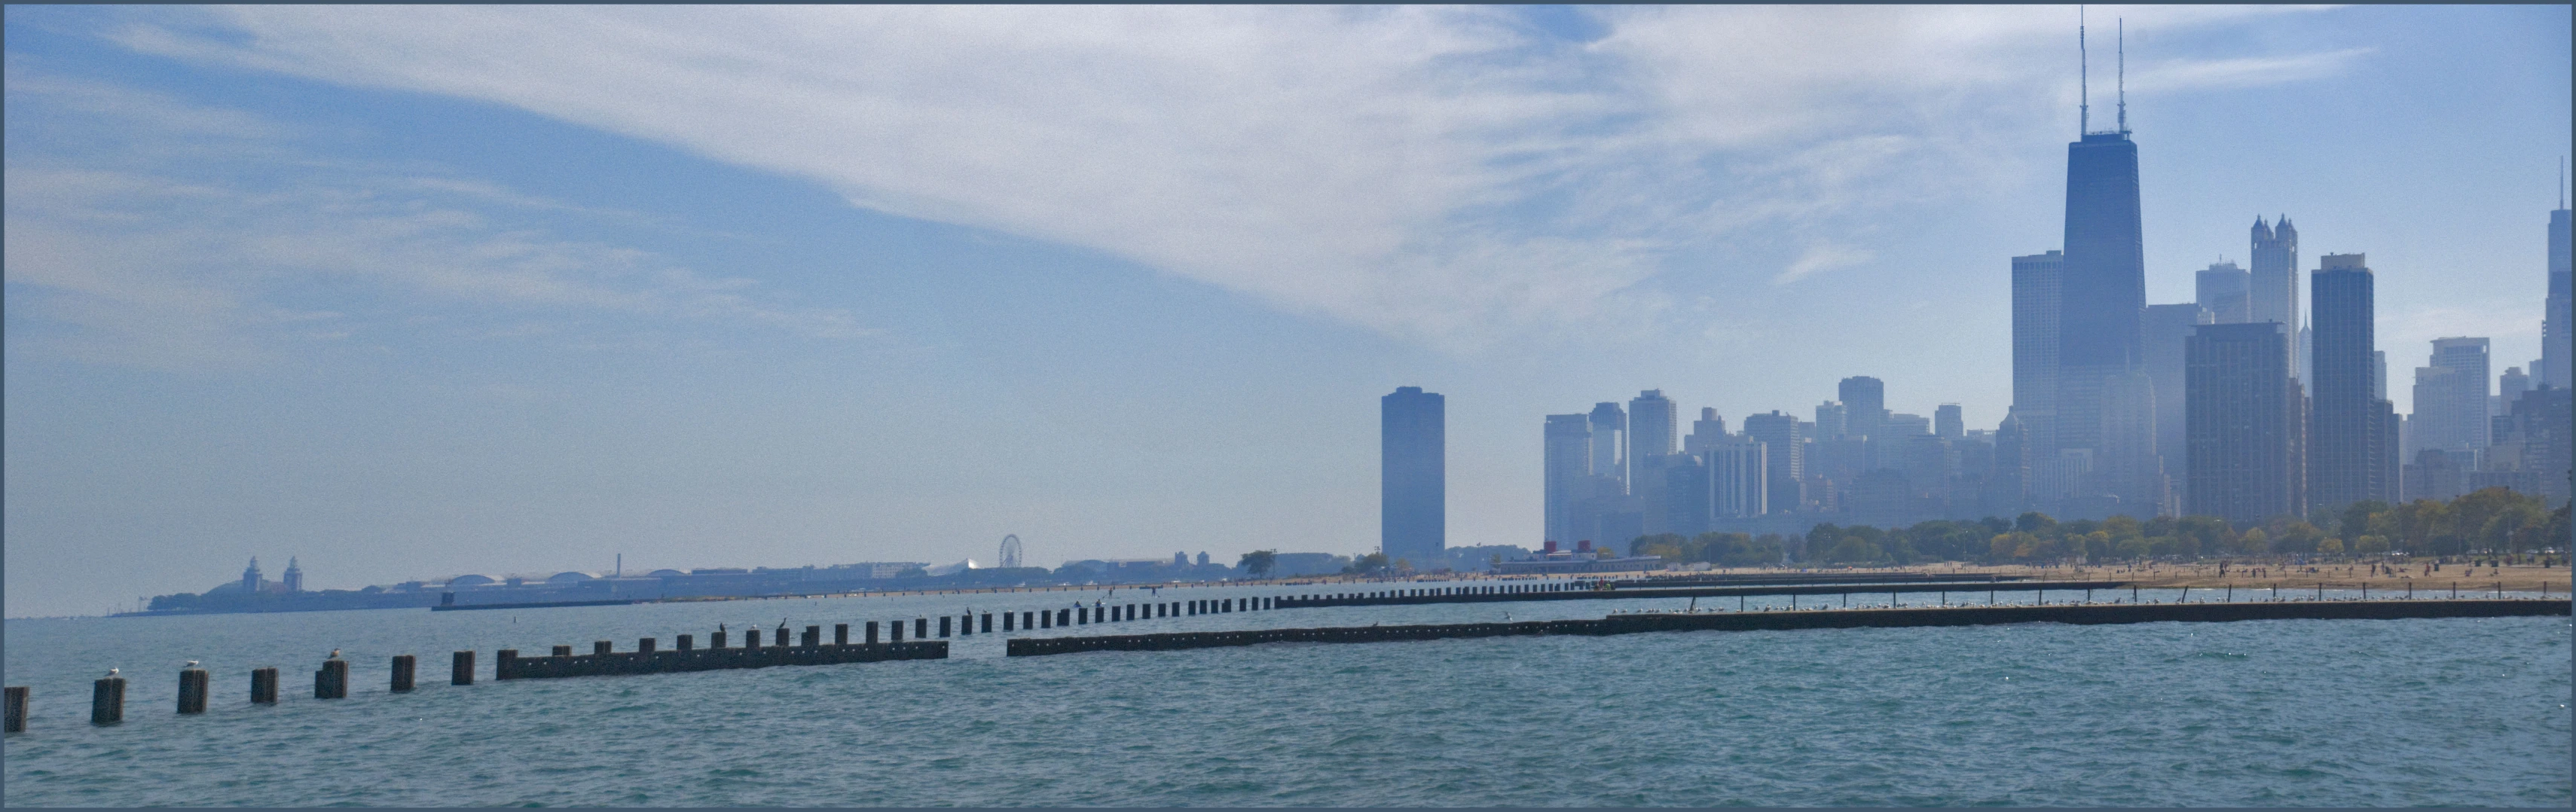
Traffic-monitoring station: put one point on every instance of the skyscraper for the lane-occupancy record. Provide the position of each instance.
(1569, 469)
(2166, 327)
(1739, 475)
(2554, 325)
(2224, 290)
(1832, 422)
(1413, 490)
(1947, 422)
(2243, 425)
(2105, 404)
(1864, 404)
(1609, 436)
(1705, 431)
(1785, 454)
(1653, 426)
(2451, 399)
(2275, 279)
(2036, 287)
(2345, 459)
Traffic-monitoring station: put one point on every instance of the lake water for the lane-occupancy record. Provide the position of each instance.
(2274, 713)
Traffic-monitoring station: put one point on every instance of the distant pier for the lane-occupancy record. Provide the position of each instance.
(2082, 614)
(597, 663)
(1569, 591)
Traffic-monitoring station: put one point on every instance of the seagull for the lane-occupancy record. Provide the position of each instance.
(192, 663)
(335, 654)
(111, 672)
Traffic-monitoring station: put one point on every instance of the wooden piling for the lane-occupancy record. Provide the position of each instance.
(107, 701)
(404, 664)
(921, 628)
(192, 690)
(814, 636)
(687, 642)
(460, 671)
(872, 632)
(716, 640)
(601, 647)
(503, 659)
(646, 645)
(563, 651)
(840, 634)
(331, 681)
(263, 686)
(988, 623)
(943, 625)
(751, 638)
(894, 632)
(1010, 622)
(17, 712)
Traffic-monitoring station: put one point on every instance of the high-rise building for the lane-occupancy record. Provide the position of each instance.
(2036, 286)
(2225, 291)
(1947, 422)
(1413, 489)
(1785, 454)
(294, 577)
(2275, 280)
(2243, 424)
(2010, 480)
(2166, 327)
(1704, 432)
(1864, 404)
(1609, 435)
(1739, 475)
(1684, 496)
(2533, 439)
(2509, 385)
(2345, 455)
(1653, 425)
(2105, 404)
(2451, 399)
(1569, 471)
(1832, 422)
(2554, 321)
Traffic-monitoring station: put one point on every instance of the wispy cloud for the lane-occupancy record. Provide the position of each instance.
(1821, 258)
(1439, 173)
(148, 258)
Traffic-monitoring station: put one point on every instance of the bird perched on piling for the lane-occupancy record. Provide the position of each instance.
(192, 663)
(111, 672)
(335, 654)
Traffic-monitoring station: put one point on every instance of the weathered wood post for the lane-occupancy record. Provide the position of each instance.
(872, 632)
(716, 640)
(107, 701)
(192, 690)
(502, 662)
(840, 634)
(686, 642)
(601, 647)
(646, 645)
(751, 638)
(16, 721)
(263, 686)
(1046, 619)
(460, 671)
(1010, 621)
(562, 651)
(813, 636)
(404, 667)
(1064, 617)
(894, 632)
(332, 680)
(988, 623)
(943, 625)
(921, 628)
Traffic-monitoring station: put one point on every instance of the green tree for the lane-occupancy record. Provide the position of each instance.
(1259, 562)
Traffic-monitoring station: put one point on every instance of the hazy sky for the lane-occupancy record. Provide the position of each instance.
(415, 291)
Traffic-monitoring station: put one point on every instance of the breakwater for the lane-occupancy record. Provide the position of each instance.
(1497, 593)
(1754, 578)
(2080, 614)
(596, 664)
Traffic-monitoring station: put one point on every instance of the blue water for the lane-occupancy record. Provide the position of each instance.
(2275, 713)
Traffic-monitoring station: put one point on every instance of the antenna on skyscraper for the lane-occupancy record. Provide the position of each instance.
(2083, 82)
(2123, 72)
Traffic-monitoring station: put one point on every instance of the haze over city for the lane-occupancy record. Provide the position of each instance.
(411, 292)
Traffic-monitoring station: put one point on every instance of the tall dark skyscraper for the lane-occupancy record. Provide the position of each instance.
(2345, 455)
(2244, 423)
(1569, 474)
(2275, 278)
(1654, 426)
(1864, 405)
(1413, 489)
(2104, 407)
(2554, 324)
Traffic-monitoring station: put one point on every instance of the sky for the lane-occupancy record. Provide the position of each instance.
(407, 292)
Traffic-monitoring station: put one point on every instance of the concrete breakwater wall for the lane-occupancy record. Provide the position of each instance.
(511, 666)
(1496, 593)
(2086, 614)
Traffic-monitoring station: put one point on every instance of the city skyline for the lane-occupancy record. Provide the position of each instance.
(540, 321)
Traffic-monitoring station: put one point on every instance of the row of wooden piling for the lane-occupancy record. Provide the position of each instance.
(331, 681)
(2088, 614)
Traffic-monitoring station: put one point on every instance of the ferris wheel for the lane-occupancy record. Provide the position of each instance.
(1010, 551)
